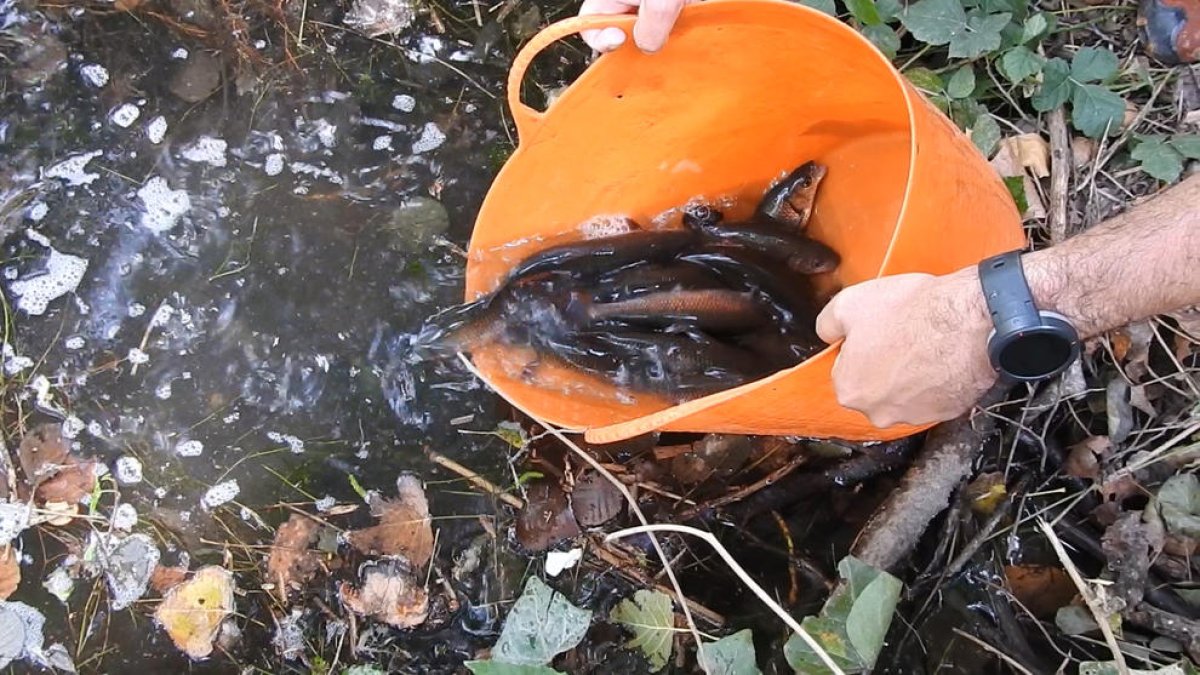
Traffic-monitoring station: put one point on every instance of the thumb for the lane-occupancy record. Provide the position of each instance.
(829, 324)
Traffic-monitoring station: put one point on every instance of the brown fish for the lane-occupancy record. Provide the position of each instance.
(597, 256)
(802, 254)
(749, 270)
(642, 279)
(790, 203)
(717, 310)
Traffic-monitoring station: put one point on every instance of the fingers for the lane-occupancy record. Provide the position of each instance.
(655, 21)
(829, 324)
(606, 39)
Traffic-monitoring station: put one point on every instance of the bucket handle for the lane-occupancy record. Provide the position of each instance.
(525, 117)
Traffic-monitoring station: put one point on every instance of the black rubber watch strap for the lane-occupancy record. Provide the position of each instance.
(1007, 293)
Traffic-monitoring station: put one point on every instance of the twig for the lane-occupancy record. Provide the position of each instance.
(626, 566)
(708, 538)
(621, 487)
(479, 481)
(1089, 596)
(1013, 663)
(747, 490)
(945, 461)
(1061, 161)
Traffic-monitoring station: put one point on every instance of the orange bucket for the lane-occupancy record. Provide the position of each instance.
(743, 92)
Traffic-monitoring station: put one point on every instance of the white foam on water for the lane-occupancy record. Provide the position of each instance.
(60, 584)
(427, 49)
(74, 343)
(14, 518)
(137, 357)
(163, 205)
(431, 139)
(163, 391)
(179, 54)
(62, 275)
(404, 103)
(294, 444)
(72, 427)
(189, 448)
(128, 470)
(124, 517)
(326, 133)
(135, 310)
(206, 149)
(156, 129)
(273, 164)
(94, 74)
(72, 169)
(221, 493)
(125, 115)
(37, 211)
(382, 143)
(13, 362)
(325, 503)
(162, 315)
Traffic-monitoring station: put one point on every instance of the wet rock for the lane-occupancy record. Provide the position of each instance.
(43, 56)
(416, 220)
(197, 78)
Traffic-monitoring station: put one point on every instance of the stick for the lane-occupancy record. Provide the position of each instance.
(1061, 161)
(741, 574)
(621, 562)
(945, 461)
(479, 481)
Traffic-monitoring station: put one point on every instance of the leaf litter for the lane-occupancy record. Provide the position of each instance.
(193, 611)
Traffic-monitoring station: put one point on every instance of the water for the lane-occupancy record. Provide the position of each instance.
(216, 294)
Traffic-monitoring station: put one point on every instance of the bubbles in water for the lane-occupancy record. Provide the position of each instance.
(189, 448)
(163, 391)
(221, 493)
(124, 517)
(326, 133)
(156, 129)
(59, 584)
(72, 426)
(13, 363)
(273, 164)
(382, 143)
(164, 206)
(431, 139)
(179, 54)
(62, 275)
(294, 444)
(325, 503)
(94, 74)
(206, 149)
(125, 115)
(37, 211)
(404, 103)
(137, 357)
(135, 310)
(74, 343)
(14, 518)
(72, 169)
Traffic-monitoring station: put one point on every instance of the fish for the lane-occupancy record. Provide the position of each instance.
(802, 254)
(782, 349)
(512, 314)
(720, 310)
(639, 280)
(790, 295)
(680, 355)
(597, 256)
(790, 203)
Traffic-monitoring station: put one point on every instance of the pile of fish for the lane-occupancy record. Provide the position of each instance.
(680, 313)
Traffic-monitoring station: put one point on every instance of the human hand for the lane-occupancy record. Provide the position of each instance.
(655, 20)
(915, 349)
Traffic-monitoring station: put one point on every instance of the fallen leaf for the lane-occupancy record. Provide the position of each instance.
(731, 655)
(43, 451)
(291, 562)
(10, 572)
(595, 500)
(1030, 151)
(60, 514)
(1119, 409)
(1135, 352)
(389, 592)
(1178, 503)
(1083, 460)
(1042, 589)
(1179, 545)
(1184, 667)
(404, 528)
(71, 484)
(547, 517)
(193, 611)
(650, 616)
(1083, 151)
(164, 579)
(1075, 620)
(986, 492)
(1192, 118)
(541, 624)
(502, 668)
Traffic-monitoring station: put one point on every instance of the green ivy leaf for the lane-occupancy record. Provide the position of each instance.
(731, 655)
(1016, 188)
(1183, 667)
(935, 22)
(1056, 86)
(1095, 110)
(650, 616)
(1160, 160)
(826, 6)
(1035, 26)
(869, 618)
(541, 624)
(864, 12)
(1093, 65)
(1188, 145)
(925, 79)
(888, 9)
(1020, 63)
(486, 667)
(828, 633)
(981, 35)
(962, 82)
(985, 134)
(884, 37)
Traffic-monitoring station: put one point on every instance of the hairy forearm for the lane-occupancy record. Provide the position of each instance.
(1143, 262)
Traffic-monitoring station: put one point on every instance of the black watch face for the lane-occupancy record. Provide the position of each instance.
(1035, 355)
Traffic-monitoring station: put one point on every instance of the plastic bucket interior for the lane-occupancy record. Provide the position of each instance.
(743, 92)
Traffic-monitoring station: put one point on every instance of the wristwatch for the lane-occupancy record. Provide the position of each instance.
(1026, 344)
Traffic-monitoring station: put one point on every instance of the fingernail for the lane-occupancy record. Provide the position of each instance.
(609, 39)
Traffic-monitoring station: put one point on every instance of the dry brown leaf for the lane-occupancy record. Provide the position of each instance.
(291, 562)
(71, 484)
(1024, 151)
(594, 500)
(60, 514)
(1083, 150)
(1131, 113)
(193, 611)
(547, 517)
(164, 579)
(390, 592)
(42, 452)
(126, 5)
(1084, 459)
(1042, 589)
(10, 572)
(1192, 118)
(404, 528)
